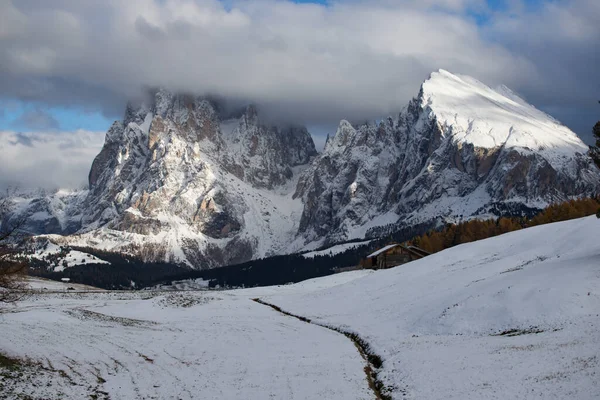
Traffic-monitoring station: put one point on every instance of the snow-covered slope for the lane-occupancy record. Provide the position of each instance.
(489, 118)
(58, 258)
(333, 250)
(459, 149)
(515, 316)
(188, 346)
(511, 317)
(36, 284)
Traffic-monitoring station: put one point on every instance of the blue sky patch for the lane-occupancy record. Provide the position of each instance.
(21, 116)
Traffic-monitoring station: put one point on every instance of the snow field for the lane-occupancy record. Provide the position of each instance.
(192, 345)
(516, 316)
(512, 317)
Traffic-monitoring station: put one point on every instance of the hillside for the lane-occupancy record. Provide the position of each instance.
(514, 316)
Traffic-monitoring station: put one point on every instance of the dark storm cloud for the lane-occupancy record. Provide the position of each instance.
(562, 40)
(314, 63)
(309, 63)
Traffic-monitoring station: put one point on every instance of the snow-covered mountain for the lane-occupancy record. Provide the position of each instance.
(182, 180)
(459, 149)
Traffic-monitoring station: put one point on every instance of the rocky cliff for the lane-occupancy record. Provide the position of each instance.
(178, 180)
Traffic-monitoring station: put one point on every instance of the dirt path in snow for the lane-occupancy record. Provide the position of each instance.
(373, 360)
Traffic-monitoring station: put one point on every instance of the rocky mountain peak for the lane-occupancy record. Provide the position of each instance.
(179, 169)
(489, 118)
(251, 114)
(460, 148)
(182, 180)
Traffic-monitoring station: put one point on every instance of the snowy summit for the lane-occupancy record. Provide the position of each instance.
(489, 118)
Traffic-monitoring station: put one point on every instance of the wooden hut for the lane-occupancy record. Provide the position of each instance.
(393, 255)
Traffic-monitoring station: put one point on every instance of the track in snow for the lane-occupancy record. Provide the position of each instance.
(373, 361)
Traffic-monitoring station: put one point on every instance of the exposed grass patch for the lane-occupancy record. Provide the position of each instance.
(9, 363)
(278, 309)
(146, 358)
(519, 332)
(83, 314)
(184, 300)
(30, 379)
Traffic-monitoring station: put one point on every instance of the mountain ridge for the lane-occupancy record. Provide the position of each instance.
(453, 152)
(181, 181)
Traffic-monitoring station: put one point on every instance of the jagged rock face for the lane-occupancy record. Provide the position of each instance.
(174, 181)
(43, 213)
(457, 150)
(263, 156)
(348, 178)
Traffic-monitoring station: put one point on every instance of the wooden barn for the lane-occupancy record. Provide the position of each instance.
(393, 255)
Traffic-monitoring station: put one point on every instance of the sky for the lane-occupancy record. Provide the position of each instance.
(68, 67)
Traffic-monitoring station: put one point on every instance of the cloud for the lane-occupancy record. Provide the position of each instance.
(320, 63)
(22, 139)
(47, 160)
(311, 63)
(562, 40)
(37, 120)
(148, 30)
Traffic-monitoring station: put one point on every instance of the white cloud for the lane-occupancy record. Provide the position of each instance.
(357, 59)
(303, 62)
(48, 160)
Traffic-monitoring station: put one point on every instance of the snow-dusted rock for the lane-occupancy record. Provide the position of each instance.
(42, 212)
(459, 149)
(182, 180)
(179, 181)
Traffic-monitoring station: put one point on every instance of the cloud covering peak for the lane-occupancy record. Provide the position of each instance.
(306, 63)
(314, 62)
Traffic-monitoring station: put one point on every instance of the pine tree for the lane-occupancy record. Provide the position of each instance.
(595, 150)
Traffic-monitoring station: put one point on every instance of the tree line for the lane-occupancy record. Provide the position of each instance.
(469, 231)
(129, 272)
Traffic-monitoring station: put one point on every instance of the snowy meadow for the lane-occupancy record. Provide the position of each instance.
(511, 317)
